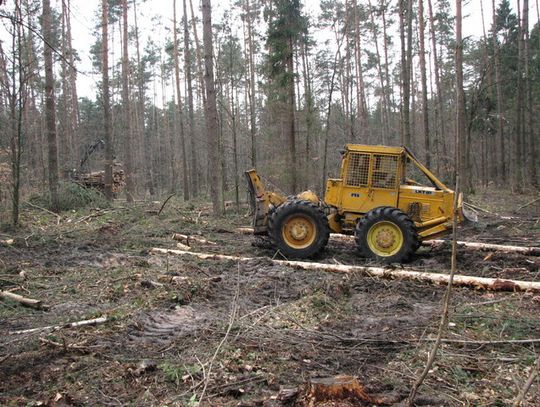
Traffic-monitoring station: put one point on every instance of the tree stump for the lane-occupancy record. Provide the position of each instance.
(339, 390)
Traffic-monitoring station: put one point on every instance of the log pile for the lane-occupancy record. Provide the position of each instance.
(96, 179)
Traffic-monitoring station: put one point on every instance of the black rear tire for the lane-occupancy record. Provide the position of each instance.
(386, 250)
(299, 229)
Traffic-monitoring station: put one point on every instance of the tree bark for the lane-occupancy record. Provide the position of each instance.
(185, 177)
(50, 108)
(251, 86)
(361, 107)
(531, 148)
(423, 75)
(126, 104)
(107, 125)
(498, 87)
(211, 108)
(190, 132)
(385, 128)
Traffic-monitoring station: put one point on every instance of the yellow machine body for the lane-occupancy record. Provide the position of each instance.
(375, 176)
(371, 177)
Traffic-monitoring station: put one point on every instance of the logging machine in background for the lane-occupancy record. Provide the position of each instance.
(384, 196)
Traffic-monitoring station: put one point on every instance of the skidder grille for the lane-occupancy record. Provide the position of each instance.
(384, 171)
(358, 172)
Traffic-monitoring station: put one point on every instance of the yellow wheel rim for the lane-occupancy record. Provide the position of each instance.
(385, 238)
(299, 231)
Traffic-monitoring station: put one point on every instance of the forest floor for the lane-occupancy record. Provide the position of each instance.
(180, 327)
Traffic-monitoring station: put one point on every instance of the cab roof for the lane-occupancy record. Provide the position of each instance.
(363, 148)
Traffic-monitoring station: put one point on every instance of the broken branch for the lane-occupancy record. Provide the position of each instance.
(76, 324)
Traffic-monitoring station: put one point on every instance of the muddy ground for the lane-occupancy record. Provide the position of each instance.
(181, 328)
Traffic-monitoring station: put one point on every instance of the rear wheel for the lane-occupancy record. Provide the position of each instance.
(386, 234)
(299, 228)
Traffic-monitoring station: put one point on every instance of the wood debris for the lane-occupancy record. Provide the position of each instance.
(187, 239)
(96, 179)
(27, 302)
(76, 324)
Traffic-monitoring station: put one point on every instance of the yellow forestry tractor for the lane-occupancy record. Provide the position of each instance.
(384, 196)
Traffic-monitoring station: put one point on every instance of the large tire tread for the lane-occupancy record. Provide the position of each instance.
(411, 240)
(288, 208)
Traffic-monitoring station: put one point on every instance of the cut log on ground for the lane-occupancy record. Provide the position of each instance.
(182, 246)
(95, 321)
(529, 251)
(186, 239)
(6, 242)
(480, 283)
(27, 302)
(244, 231)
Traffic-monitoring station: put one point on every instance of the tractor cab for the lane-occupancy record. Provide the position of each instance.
(377, 176)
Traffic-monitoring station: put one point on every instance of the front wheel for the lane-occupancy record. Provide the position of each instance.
(299, 229)
(386, 234)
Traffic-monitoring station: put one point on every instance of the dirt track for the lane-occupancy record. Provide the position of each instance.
(272, 326)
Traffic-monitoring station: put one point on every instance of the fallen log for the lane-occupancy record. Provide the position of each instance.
(480, 283)
(186, 239)
(527, 250)
(244, 230)
(6, 242)
(53, 328)
(27, 302)
(182, 246)
(531, 251)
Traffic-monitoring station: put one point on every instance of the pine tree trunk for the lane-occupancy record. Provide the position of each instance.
(440, 142)
(144, 143)
(66, 135)
(290, 117)
(190, 127)
(199, 56)
(384, 100)
(389, 98)
(405, 22)
(517, 159)
(423, 74)
(107, 123)
(361, 107)
(531, 156)
(50, 112)
(73, 87)
(185, 177)
(498, 86)
(251, 86)
(126, 104)
(211, 108)
(460, 97)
